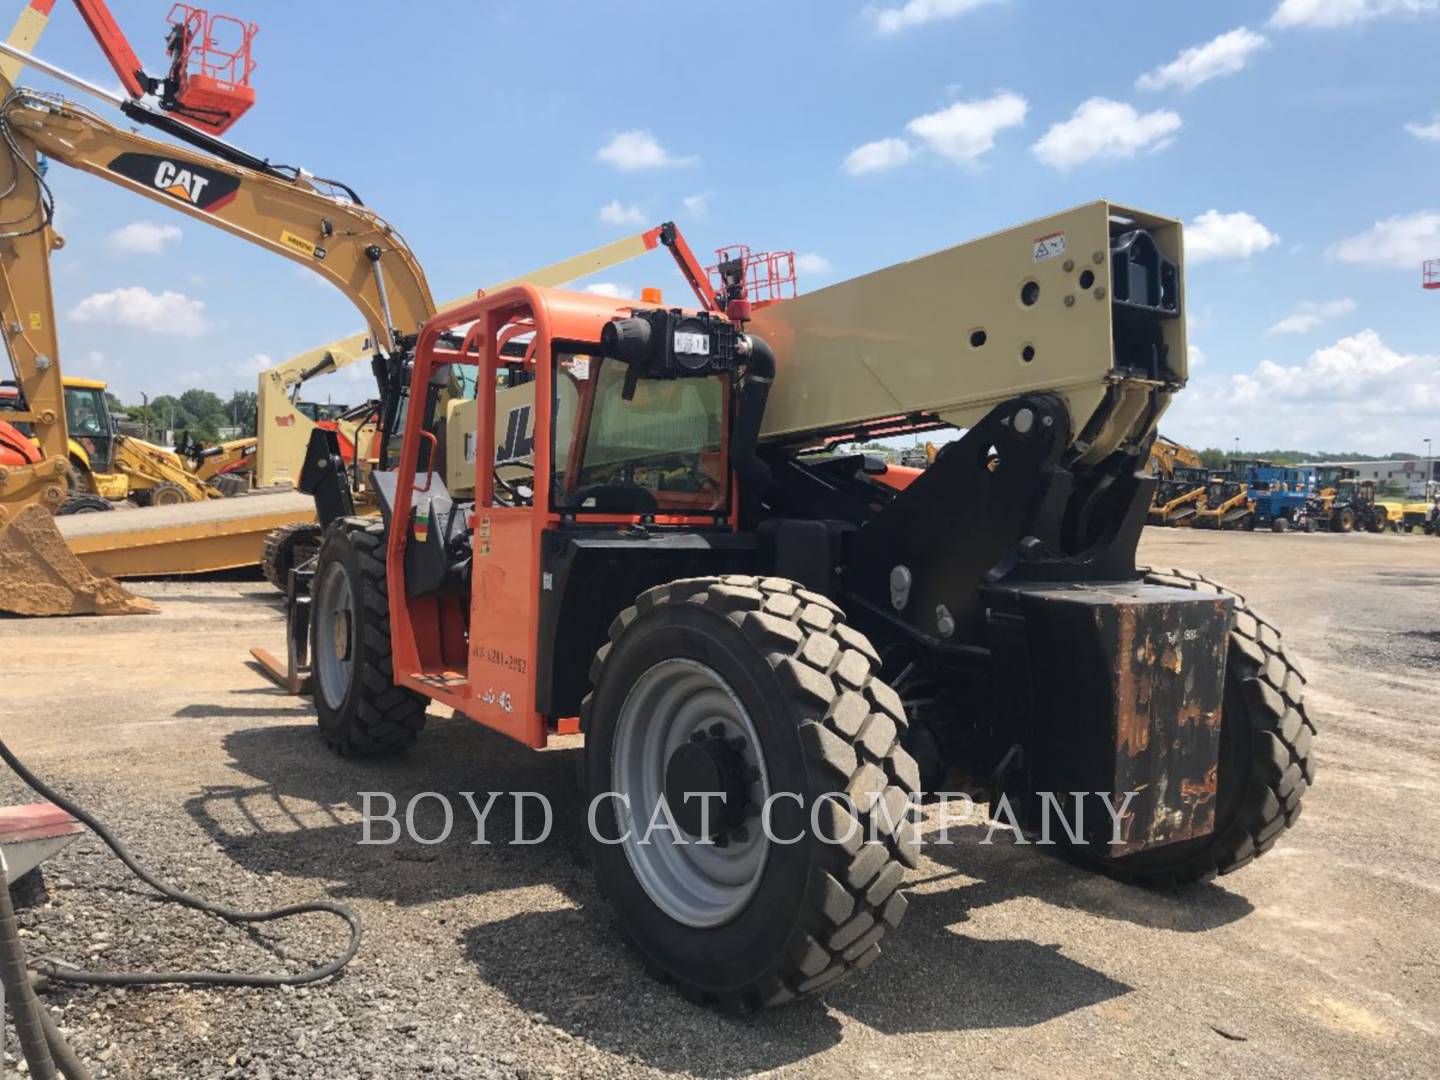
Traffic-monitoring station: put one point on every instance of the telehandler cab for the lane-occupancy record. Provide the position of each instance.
(657, 548)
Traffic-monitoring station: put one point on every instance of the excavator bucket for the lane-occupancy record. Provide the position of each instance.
(39, 575)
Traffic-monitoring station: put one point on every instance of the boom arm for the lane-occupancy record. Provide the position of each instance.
(348, 245)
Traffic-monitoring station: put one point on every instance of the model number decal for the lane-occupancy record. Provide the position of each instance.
(300, 244)
(1047, 247)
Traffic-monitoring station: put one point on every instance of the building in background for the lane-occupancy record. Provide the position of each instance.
(1407, 472)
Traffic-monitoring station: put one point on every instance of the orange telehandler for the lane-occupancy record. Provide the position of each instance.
(771, 651)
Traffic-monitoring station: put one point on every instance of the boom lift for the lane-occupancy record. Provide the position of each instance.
(794, 645)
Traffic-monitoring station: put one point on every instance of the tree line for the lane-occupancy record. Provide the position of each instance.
(203, 414)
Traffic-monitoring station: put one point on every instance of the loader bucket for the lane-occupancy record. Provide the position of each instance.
(39, 575)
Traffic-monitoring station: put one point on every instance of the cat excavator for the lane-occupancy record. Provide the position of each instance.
(320, 224)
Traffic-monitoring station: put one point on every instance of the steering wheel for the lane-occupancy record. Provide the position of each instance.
(623, 496)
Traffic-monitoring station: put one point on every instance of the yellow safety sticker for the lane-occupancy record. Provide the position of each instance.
(300, 244)
(36, 322)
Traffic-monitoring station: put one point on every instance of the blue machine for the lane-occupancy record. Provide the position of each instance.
(1281, 495)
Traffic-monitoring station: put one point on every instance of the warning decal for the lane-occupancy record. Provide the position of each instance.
(1047, 247)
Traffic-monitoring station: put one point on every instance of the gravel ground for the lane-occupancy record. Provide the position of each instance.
(1322, 959)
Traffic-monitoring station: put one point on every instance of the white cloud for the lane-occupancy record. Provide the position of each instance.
(878, 156)
(892, 20)
(1105, 129)
(632, 150)
(966, 130)
(1214, 235)
(1195, 357)
(1332, 13)
(609, 288)
(1403, 240)
(258, 363)
(143, 238)
(1311, 313)
(811, 263)
(1225, 55)
(170, 313)
(697, 206)
(1430, 131)
(1355, 394)
(616, 213)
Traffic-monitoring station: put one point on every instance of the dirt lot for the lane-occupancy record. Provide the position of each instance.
(1322, 959)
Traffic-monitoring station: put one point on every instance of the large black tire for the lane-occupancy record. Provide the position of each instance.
(359, 708)
(826, 723)
(83, 504)
(1280, 525)
(1342, 520)
(1266, 763)
(286, 548)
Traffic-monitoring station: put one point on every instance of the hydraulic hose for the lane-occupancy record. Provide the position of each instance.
(169, 892)
(24, 1004)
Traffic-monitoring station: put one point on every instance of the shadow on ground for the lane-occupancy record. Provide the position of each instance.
(299, 818)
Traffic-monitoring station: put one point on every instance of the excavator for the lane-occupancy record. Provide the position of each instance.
(316, 223)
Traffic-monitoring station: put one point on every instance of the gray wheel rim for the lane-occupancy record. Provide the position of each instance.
(700, 885)
(334, 634)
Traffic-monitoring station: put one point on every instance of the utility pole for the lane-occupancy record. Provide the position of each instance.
(1425, 487)
(145, 408)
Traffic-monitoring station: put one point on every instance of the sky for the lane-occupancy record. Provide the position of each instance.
(1298, 139)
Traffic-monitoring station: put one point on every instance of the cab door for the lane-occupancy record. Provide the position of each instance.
(512, 468)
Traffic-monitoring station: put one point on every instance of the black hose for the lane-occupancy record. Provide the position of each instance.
(24, 1004)
(66, 1060)
(229, 914)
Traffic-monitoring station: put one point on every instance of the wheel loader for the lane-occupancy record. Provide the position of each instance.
(775, 652)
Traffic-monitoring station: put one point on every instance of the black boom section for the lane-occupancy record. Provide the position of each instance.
(998, 505)
(588, 576)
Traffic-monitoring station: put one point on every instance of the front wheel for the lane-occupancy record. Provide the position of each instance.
(756, 689)
(1266, 761)
(359, 708)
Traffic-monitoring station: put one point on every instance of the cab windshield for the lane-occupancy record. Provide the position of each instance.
(662, 451)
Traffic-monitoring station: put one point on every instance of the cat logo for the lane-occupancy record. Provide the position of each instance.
(195, 185)
(182, 183)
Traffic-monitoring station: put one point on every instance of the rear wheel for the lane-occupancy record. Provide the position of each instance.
(359, 708)
(286, 548)
(1343, 520)
(83, 504)
(1266, 760)
(1280, 524)
(168, 494)
(753, 687)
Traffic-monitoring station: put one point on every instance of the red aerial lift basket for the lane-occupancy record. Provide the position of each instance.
(768, 276)
(1430, 274)
(210, 67)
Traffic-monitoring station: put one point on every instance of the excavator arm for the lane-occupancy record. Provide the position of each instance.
(343, 242)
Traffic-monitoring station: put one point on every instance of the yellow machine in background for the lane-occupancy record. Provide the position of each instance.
(1180, 497)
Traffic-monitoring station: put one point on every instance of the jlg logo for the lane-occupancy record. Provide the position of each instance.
(519, 442)
(182, 183)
